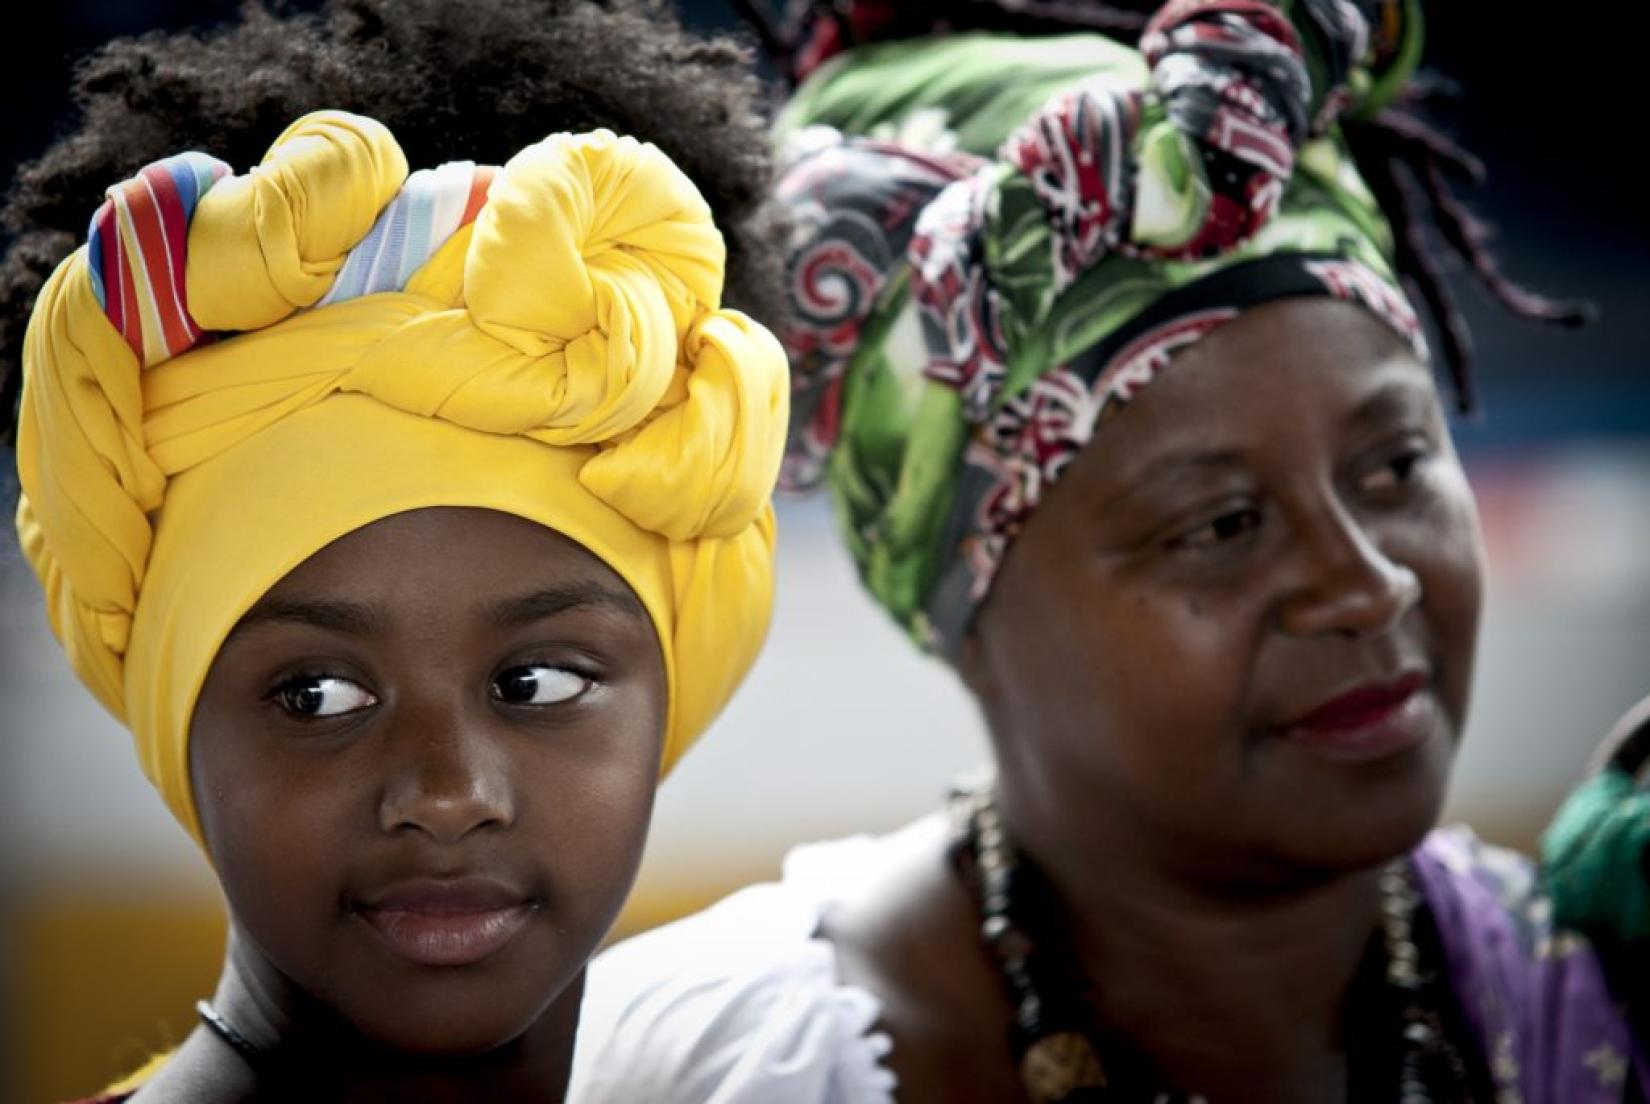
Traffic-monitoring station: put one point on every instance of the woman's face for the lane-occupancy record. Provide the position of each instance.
(424, 764)
(1240, 630)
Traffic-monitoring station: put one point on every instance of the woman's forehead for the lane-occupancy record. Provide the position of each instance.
(1304, 330)
(1265, 379)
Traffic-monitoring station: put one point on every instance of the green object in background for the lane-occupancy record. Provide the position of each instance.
(1596, 859)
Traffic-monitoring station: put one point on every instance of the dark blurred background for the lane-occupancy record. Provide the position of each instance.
(109, 925)
(1549, 101)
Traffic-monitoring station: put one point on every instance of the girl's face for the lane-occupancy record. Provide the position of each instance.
(1239, 632)
(424, 764)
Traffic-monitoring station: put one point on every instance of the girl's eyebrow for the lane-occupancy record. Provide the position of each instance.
(351, 618)
(358, 619)
(551, 601)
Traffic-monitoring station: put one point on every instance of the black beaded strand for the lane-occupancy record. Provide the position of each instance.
(1054, 1043)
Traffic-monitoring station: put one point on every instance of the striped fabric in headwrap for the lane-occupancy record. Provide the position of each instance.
(238, 370)
(428, 210)
(135, 254)
(1001, 241)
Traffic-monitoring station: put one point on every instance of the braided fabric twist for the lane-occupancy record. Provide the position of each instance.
(1001, 240)
(1187, 168)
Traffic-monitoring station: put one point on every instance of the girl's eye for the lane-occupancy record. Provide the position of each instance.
(1219, 530)
(315, 696)
(539, 684)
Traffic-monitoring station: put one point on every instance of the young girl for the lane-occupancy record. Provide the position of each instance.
(412, 515)
(1104, 357)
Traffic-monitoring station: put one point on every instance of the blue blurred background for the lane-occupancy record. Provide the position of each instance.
(109, 920)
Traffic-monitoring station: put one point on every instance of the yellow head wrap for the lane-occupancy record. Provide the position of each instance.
(542, 339)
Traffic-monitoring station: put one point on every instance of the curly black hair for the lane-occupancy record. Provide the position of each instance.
(477, 80)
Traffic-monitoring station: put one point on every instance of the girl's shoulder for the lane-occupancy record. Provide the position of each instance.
(743, 1003)
(127, 1087)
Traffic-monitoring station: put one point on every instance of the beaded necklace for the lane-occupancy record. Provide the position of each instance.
(1057, 1046)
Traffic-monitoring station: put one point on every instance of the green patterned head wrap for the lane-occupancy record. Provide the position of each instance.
(999, 241)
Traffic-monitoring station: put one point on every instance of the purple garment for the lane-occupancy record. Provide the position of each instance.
(1549, 1029)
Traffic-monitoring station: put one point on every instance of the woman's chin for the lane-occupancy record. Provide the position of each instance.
(1352, 817)
(1375, 829)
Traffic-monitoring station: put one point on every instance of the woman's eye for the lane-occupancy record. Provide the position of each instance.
(1393, 475)
(312, 696)
(539, 684)
(1218, 530)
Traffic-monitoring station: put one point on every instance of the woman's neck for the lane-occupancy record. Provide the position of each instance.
(1218, 987)
(315, 1057)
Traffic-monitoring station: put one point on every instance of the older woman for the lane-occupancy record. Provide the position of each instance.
(1105, 360)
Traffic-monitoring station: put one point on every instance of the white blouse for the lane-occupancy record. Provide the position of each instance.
(739, 1004)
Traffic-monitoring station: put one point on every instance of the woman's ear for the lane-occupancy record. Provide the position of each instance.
(973, 665)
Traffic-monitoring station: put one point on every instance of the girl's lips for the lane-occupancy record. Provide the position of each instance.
(1369, 721)
(436, 923)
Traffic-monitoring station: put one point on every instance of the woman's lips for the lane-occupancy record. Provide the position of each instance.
(447, 923)
(1369, 721)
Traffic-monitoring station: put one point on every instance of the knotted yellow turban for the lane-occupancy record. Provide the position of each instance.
(237, 370)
